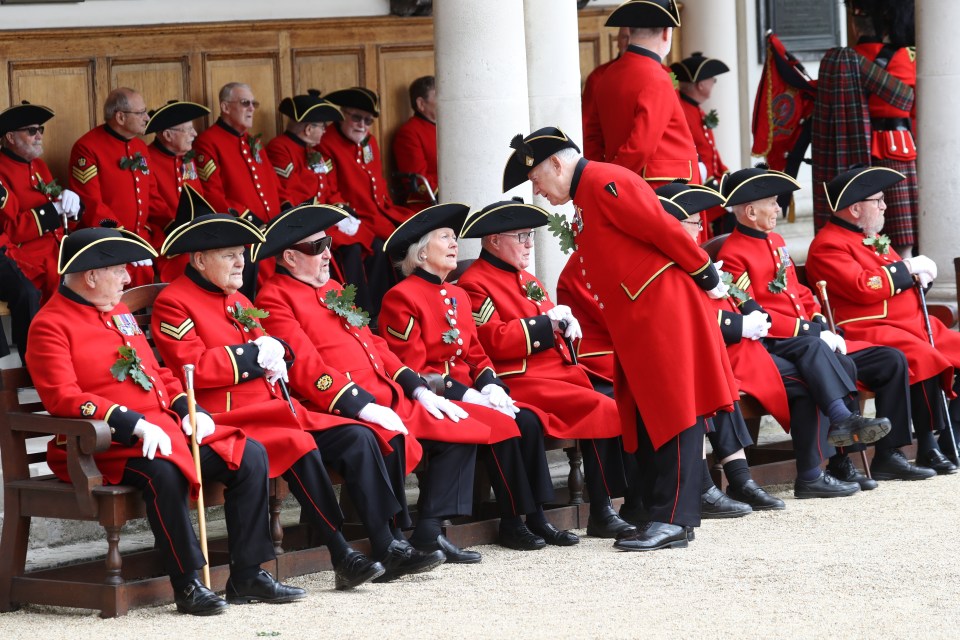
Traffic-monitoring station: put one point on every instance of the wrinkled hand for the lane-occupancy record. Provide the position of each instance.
(498, 399)
(755, 325)
(718, 292)
(205, 426)
(349, 225)
(438, 406)
(383, 416)
(153, 438)
(835, 342)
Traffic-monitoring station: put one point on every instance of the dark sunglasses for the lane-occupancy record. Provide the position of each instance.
(314, 247)
(32, 131)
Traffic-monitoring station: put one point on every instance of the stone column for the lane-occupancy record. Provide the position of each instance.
(938, 92)
(482, 102)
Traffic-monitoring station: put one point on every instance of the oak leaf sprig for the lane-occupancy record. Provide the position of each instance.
(130, 364)
(249, 316)
(342, 303)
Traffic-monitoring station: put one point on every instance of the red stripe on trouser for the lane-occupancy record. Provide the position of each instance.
(173, 549)
(312, 503)
(676, 497)
(926, 399)
(513, 506)
(603, 476)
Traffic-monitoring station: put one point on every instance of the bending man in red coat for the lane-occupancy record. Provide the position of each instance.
(415, 145)
(649, 280)
(75, 342)
(871, 289)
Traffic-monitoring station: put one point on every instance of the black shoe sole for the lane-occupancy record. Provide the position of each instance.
(867, 435)
(342, 584)
(838, 494)
(423, 568)
(723, 515)
(214, 611)
(673, 544)
(518, 547)
(239, 599)
(599, 532)
(892, 476)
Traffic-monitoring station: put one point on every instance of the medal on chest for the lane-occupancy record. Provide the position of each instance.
(367, 154)
(126, 324)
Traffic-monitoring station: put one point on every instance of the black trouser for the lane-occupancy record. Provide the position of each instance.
(632, 493)
(446, 484)
(311, 486)
(372, 275)
(165, 491)
(828, 375)
(884, 371)
(518, 468)
(672, 476)
(808, 424)
(24, 301)
(603, 469)
(728, 433)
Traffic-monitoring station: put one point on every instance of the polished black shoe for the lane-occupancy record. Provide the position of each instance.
(609, 525)
(520, 538)
(454, 554)
(262, 588)
(753, 494)
(934, 459)
(848, 472)
(554, 536)
(715, 504)
(402, 559)
(825, 486)
(896, 467)
(855, 429)
(197, 600)
(658, 535)
(354, 570)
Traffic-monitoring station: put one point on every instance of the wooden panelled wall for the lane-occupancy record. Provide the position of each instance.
(72, 70)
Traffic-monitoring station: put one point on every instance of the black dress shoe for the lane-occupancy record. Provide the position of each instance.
(354, 570)
(934, 459)
(552, 535)
(609, 525)
(855, 429)
(753, 494)
(659, 535)
(454, 554)
(715, 504)
(401, 559)
(197, 600)
(896, 467)
(847, 472)
(262, 588)
(520, 538)
(825, 486)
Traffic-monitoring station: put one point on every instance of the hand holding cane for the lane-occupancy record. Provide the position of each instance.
(195, 449)
(562, 325)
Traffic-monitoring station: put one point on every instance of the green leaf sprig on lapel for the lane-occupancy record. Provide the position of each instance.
(733, 290)
(450, 335)
(129, 364)
(249, 317)
(50, 189)
(136, 162)
(342, 303)
(315, 160)
(711, 120)
(189, 156)
(256, 146)
(779, 282)
(880, 243)
(560, 227)
(534, 292)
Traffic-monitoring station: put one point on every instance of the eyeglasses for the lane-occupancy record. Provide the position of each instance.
(140, 113)
(313, 247)
(31, 131)
(694, 223)
(521, 237)
(246, 104)
(879, 200)
(357, 118)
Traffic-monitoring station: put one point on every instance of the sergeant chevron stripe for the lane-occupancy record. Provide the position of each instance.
(83, 176)
(406, 333)
(482, 315)
(285, 172)
(207, 170)
(176, 332)
(743, 282)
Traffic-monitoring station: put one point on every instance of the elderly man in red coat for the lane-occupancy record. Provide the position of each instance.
(202, 318)
(633, 256)
(587, 107)
(415, 145)
(872, 291)
(39, 221)
(74, 344)
(636, 120)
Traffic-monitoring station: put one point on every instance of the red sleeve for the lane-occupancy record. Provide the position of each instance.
(652, 112)
(408, 152)
(399, 313)
(85, 181)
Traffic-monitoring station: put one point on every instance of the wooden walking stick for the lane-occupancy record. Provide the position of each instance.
(195, 449)
(822, 287)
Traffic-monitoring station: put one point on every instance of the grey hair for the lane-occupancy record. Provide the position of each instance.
(412, 260)
(226, 91)
(117, 100)
(568, 154)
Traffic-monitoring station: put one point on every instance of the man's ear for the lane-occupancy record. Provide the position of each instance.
(90, 278)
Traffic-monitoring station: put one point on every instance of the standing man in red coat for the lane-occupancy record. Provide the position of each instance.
(587, 106)
(415, 145)
(74, 344)
(39, 221)
(872, 293)
(110, 171)
(651, 282)
(636, 120)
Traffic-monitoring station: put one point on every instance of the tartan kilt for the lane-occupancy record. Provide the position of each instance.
(902, 201)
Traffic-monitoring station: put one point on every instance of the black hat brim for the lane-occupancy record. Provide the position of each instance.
(697, 69)
(448, 215)
(308, 108)
(211, 231)
(645, 13)
(295, 224)
(683, 200)
(851, 187)
(750, 185)
(98, 247)
(23, 115)
(356, 98)
(504, 216)
(531, 151)
(174, 113)
(191, 205)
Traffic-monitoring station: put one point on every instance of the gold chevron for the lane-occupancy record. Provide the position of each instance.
(402, 336)
(482, 315)
(84, 176)
(743, 282)
(207, 170)
(176, 332)
(285, 172)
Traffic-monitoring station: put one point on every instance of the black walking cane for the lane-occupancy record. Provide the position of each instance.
(562, 325)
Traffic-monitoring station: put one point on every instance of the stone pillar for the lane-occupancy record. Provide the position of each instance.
(553, 72)
(938, 92)
(482, 103)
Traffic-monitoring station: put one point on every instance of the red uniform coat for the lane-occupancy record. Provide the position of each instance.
(873, 299)
(891, 144)
(641, 267)
(361, 183)
(593, 150)
(517, 336)
(638, 120)
(415, 151)
(170, 173)
(335, 359)
(193, 324)
(595, 348)
(71, 349)
(33, 223)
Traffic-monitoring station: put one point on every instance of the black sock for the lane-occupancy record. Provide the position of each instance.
(181, 580)
(244, 573)
(599, 507)
(837, 411)
(380, 540)
(809, 475)
(925, 442)
(707, 478)
(426, 532)
(737, 472)
(837, 459)
(537, 517)
(510, 522)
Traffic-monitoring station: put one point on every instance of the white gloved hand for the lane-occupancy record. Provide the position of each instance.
(473, 396)
(703, 172)
(925, 279)
(498, 399)
(719, 265)
(142, 263)
(922, 264)
(205, 426)
(558, 313)
(69, 203)
(270, 358)
(835, 342)
(153, 438)
(349, 225)
(719, 291)
(755, 325)
(383, 416)
(438, 406)
(573, 331)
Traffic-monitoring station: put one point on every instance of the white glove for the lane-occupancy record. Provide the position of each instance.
(498, 399)
(755, 325)
(835, 342)
(719, 265)
(205, 426)
(473, 396)
(437, 406)
(920, 265)
(153, 438)
(703, 172)
(719, 291)
(558, 313)
(69, 203)
(349, 225)
(573, 332)
(270, 358)
(383, 416)
(142, 263)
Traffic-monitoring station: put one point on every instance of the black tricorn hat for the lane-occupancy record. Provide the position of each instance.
(96, 247)
(191, 205)
(645, 13)
(855, 185)
(23, 115)
(173, 113)
(293, 225)
(310, 107)
(503, 216)
(531, 151)
(683, 200)
(450, 214)
(356, 98)
(211, 231)
(755, 183)
(697, 68)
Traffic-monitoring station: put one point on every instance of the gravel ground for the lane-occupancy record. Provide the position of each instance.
(877, 564)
